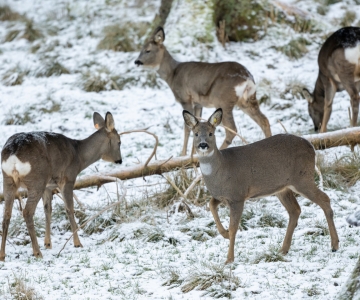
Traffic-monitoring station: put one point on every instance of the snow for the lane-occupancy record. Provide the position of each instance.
(121, 261)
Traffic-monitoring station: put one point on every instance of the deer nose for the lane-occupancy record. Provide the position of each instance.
(138, 62)
(203, 145)
(118, 161)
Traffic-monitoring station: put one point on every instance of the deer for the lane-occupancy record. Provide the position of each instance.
(278, 165)
(339, 69)
(43, 161)
(198, 84)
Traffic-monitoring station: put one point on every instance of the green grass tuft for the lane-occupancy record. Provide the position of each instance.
(270, 255)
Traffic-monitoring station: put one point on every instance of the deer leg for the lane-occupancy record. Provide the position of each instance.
(28, 213)
(330, 90)
(47, 198)
(190, 109)
(290, 203)
(213, 208)
(252, 109)
(9, 195)
(228, 121)
(236, 209)
(313, 193)
(67, 193)
(354, 97)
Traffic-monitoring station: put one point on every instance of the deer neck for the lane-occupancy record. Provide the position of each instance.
(90, 149)
(167, 67)
(211, 163)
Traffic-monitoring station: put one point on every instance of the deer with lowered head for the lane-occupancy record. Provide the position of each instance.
(197, 84)
(44, 161)
(280, 165)
(339, 69)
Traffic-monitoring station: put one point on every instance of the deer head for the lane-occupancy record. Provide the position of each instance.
(111, 145)
(315, 107)
(152, 52)
(204, 137)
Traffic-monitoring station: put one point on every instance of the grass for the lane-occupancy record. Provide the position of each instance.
(269, 219)
(14, 76)
(348, 18)
(182, 179)
(293, 90)
(52, 68)
(7, 14)
(21, 290)
(216, 280)
(341, 173)
(272, 254)
(295, 49)
(125, 37)
(30, 33)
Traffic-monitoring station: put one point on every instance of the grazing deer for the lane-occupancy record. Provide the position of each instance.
(277, 165)
(197, 84)
(339, 69)
(44, 161)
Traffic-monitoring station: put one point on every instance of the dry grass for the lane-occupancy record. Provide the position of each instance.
(182, 179)
(295, 49)
(7, 14)
(125, 37)
(340, 173)
(270, 219)
(270, 255)
(21, 290)
(14, 76)
(348, 18)
(216, 280)
(30, 33)
(52, 68)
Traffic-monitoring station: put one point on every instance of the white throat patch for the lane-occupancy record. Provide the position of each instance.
(14, 167)
(206, 168)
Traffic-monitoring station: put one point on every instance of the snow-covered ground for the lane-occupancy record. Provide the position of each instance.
(123, 262)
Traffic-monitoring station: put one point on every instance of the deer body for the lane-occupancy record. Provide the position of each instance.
(277, 165)
(197, 84)
(339, 69)
(44, 161)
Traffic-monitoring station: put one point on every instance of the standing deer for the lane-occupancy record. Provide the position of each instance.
(277, 165)
(196, 85)
(44, 161)
(339, 69)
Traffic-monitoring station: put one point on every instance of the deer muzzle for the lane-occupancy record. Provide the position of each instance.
(203, 146)
(118, 161)
(138, 62)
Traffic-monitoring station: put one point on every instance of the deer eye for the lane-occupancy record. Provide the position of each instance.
(196, 134)
(210, 134)
(147, 51)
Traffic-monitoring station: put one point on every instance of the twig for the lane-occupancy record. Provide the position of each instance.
(78, 202)
(190, 213)
(89, 220)
(156, 142)
(192, 185)
(282, 125)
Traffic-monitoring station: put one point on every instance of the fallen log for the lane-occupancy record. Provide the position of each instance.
(343, 137)
(350, 137)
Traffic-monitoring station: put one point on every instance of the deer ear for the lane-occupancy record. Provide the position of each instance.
(216, 117)
(109, 122)
(190, 119)
(159, 35)
(99, 121)
(307, 95)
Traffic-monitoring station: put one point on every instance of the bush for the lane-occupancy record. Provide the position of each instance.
(245, 20)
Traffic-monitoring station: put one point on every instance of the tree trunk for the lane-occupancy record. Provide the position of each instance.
(350, 136)
(160, 18)
(352, 286)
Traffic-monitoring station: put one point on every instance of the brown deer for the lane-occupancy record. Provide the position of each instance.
(44, 161)
(339, 69)
(277, 165)
(197, 84)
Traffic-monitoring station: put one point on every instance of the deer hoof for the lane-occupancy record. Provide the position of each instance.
(229, 261)
(38, 255)
(78, 245)
(2, 258)
(48, 245)
(333, 250)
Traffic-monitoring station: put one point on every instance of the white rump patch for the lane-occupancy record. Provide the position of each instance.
(352, 54)
(14, 167)
(206, 168)
(245, 89)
